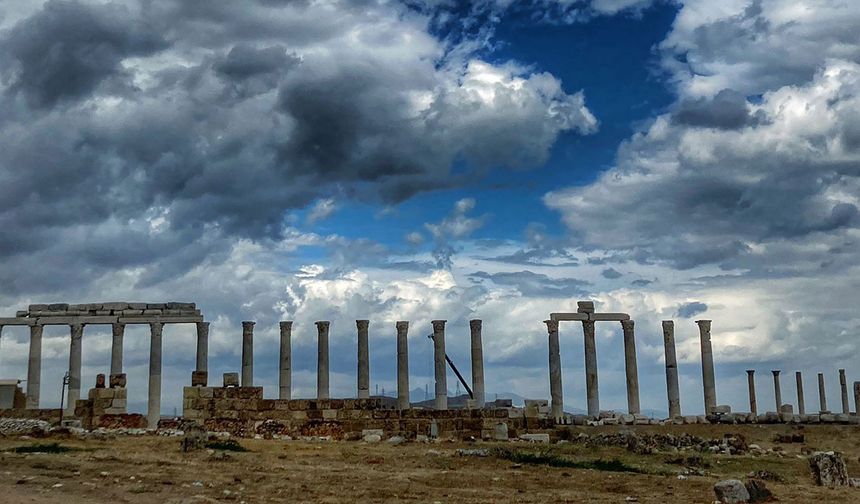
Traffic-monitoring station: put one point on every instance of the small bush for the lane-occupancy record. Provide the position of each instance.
(226, 445)
(42, 448)
(553, 460)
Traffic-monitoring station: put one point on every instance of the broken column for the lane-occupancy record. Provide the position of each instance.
(708, 381)
(203, 349)
(117, 334)
(439, 364)
(363, 359)
(477, 363)
(74, 392)
(285, 361)
(630, 367)
(247, 354)
(751, 385)
(591, 390)
(322, 359)
(843, 383)
(557, 400)
(801, 404)
(822, 396)
(672, 389)
(153, 412)
(777, 390)
(402, 365)
(34, 367)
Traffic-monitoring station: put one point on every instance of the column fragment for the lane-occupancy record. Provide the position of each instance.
(74, 392)
(363, 359)
(843, 384)
(751, 385)
(822, 395)
(555, 390)
(672, 388)
(801, 404)
(247, 354)
(708, 381)
(439, 364)
(591, 387)
(322, 359)
(34, 367)
(153, 411)
(630, 367)
(477, 363)
(285, 361)
(117, 335)
(402, 365)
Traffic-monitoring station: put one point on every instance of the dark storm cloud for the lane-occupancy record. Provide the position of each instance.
(536, 284)
(727, 110)
(611, 273)
(690, 310)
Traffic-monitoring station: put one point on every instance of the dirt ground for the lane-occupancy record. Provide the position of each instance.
(152, 469)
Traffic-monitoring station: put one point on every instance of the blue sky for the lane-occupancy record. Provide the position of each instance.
(388, 160)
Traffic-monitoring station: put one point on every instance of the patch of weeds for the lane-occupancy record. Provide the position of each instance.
(226, 445)
(689, 461)
(553, 460)
(42, 448)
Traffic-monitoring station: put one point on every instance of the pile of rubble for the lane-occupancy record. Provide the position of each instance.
(642, 443)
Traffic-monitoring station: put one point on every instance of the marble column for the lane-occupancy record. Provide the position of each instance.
(117, 336)
(402, 365)
(285, 363)
(153, 412)
(708, 381)
(555, 390)
(322, 359)
(74, 392)
(34, 367)
(777, 390)
(857, 398)
(247, 354)
(203, 347)
(591, 388)
(363, 359)
(801, 404)
(439, 364)
(477, 363)
(843, 384)
(751, 385)
(822, 395)
(630, 367)
(672, 388)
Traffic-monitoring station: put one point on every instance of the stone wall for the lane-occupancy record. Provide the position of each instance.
(49, 415)
(106, 408)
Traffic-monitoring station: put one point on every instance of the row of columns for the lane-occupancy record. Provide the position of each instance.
(801, 404)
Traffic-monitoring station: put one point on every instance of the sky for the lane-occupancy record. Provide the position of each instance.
(431, 159)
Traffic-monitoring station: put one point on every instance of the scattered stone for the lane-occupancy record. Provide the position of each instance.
(372, 438)
(535, 438)
(465, 452)
(758, 491)
(731, 492)
(828, 469)
(500, 433)
(396, 440)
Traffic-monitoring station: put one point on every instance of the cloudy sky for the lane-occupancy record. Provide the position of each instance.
(497, 159)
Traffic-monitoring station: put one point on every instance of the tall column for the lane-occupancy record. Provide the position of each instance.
(801, 405)
(247, 354)
(203, 347)
(363, 359)
(555, 390)
(777, 390)
(322, 359)
(751, 385)
(285, 362)
(439, 364)
(74, 392)
(477, 363)
(630, 367)
(153, 412)
(822, 395)
(857, 398)
(117, 335)
(591, 388)
(846, 409)
(708, 380)
(674, 395)
(34, 367)
(402, 365)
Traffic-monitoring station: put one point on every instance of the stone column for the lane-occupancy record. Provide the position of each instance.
(857, 398)
(117, 335)
(672, 389)
(402, 365)
(248, 354)
(708, 380)
(801, 405)
(751, 384)
(74, 392)
(440, 364)
(477, 363)
(555, 389)
(363, 359)
(843, 383)
(822, 395)
(591, 388)
(153, 412)
(322, 359)
(630, 367)
(203, 347)
(777, 390)
(34, 367)
(285, 362)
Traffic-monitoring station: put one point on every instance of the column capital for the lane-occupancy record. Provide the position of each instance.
(362, 324)
(285, 324)
(438, 325)
(704, 324)
(203, 324)
(627, 324)
(322, 324)
(551, 325)
(475, 324)
(775, 372)
(156, 327)
(750, 372)
(248, 324)
(402, 325)
(667, 323)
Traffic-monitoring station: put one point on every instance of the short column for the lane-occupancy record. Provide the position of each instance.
(34, 367)
(74, 392)
(777, 390)
(153, 412)
(751, 385)
(843, 384)
(630, 367)
(247, 354)
(322, 359)
(591, 387)
(801, 404)
(477, 363)
(439, 364)
(285, 361)
(555, 386)
(672, 388)
(822, 395)
(363, 359)
(708, 381)
(117, 335)
(203, 347)
(402, 365)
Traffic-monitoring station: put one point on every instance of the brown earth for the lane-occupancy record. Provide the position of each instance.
(151, 469)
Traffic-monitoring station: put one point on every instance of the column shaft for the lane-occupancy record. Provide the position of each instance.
(153, 413)
(203, 347)
(363, 359)
(322, 359)
(477, 363)
(801, 404)
(402, 365)
(777, 390)
(672, 388)
(591, 386)
(440, 369)
(74, 392)
(708, 381)
(857, 398)
(555, 387)
(843, 384)
(822, 395)
(247, 354)
(751, 385)
(34, 367)
(285, 362)
(630, 367)
(117, 335)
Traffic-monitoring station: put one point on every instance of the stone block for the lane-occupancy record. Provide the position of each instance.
(131, 312)
(100, 380)
(173, 305)
(37, 307)
(731, 492)
(568, 316)
(116, 306)
(119, 403)
(117, 380)
(722, 409)
(535, 438)
(156, 306)
(786, 408)
(231, 379)
(120, 393)
(75, 319)
(608, 317)
(190, 392)
(58, 307)
(199, 378)
(828, 469)
(22, 313)
(148, 312)
(137, 306)
(206, 392)
(585, 306)
(114, 411)
(17, 321)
